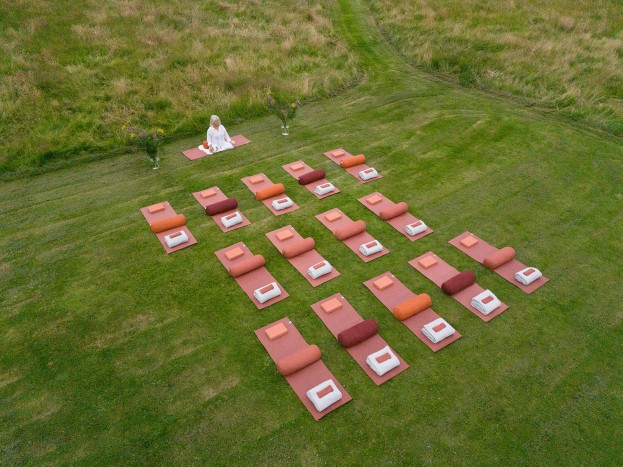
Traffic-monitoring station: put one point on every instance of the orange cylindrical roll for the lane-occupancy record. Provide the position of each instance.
(168, 223)
(298, 360)
(350, 230)
(352, 161)
(393, 211)
(412, 306)
(499, 258)
(299, 247)
(247, 265)
(271, 190)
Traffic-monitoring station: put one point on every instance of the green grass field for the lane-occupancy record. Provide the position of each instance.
(115, 353)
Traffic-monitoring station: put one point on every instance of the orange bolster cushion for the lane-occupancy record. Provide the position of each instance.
(299, 247)
(499, 258)
(412, 306)
(247, 265)
(298, 360)
(352, 161)
(358, 333)
(393, 211)
(350, 230)
(168, 223)
(269, 191)
(459, 282)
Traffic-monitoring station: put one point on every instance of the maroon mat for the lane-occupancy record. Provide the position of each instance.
(482, 249)
(304, 169)
(399, 222)
(220, 196)
(254, 187)
(354, 171)
(303, 261)
(307, 378)
(196, 153)
(353, 242)
(441, 271)
(168, 212)
(346, 317)
(397, 293)
(253, 280)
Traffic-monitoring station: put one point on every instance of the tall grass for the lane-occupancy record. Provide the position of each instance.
(72, 72)
(563, 55)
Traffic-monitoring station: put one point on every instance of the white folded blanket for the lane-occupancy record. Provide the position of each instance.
(486, 302)
(282, 203)
(267, 292)
(440, 334)
(207, 151)
(386, 364)
(173, 240)
(319, 269)
(528, 275)
(324, 188)
(370, 248)
(367, 174)
(329, 394)
(416, 228)
(231, 219)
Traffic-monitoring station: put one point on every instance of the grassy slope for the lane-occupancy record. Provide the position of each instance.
(114, 352)
(73, 72)
(565, 56)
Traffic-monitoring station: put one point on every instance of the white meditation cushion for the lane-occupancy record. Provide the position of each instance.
(319, 269)
(486, 302)
(327, 399)
(324, 188)
(371, 247)
(438, 335)
(416, 228)
(231, 219)
(282, 203)
(267, 292)
(386, 364)
(173, 240)
(207, 151)
(367, 174)
(528, 275)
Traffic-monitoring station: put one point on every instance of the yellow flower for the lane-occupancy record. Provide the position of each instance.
(123, 127)
(161, 131)
(132, 135)
(293, 105)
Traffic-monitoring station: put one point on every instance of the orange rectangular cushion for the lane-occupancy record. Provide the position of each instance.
(297, 166)
(383, 283)
(268, 288)
(374, 199)
(256, 179)
(371, 244)
(155, 208)
(415, 224)
(319, 265)
(487, 299)
(325, 391)
(176, 234)
(333, 216)
(427, 261)
(469, 241)
(338, 153)
(208, 193)
(325, 185)
(276, 331)
(384, 357)
(231, 216)
(439, 327)
(284, 235)
(234, 253)
(331, 305)
(527, 272)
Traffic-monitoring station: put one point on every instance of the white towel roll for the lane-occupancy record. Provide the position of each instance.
(176, 240)
(282, 203)
(438, 336)
(370, 248)
(273, 292)
(416, 228)
(486, 302)
(231, 219)
(380, 368)
(367, 174)
(321, 403)
(528, 275)
(324, 188)
(319, 269)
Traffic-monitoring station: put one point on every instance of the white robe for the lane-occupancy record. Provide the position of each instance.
(219, 139)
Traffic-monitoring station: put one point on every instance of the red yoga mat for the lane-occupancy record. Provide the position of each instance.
(254, 187)
(168, 212)
(298, 168)
(219, 196)
(354, 171)
(196, 153)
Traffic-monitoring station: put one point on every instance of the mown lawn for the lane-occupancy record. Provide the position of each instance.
(113, 352)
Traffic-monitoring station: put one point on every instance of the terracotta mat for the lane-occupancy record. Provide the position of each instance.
(353, 242)
(354, 171)
(303, 261)
(441, 271)
(253, 280)
(301, 168)
(482, 249)
(254, 187)
(307, 378)
(219, 196)
(344, 318)
(196, 153)
(398, 293)
(168, 212)
(380, 202)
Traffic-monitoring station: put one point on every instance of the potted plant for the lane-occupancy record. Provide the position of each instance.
(284, 111)
(147, 142)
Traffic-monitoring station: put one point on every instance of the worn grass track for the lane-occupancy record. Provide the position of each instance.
(114, 352)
